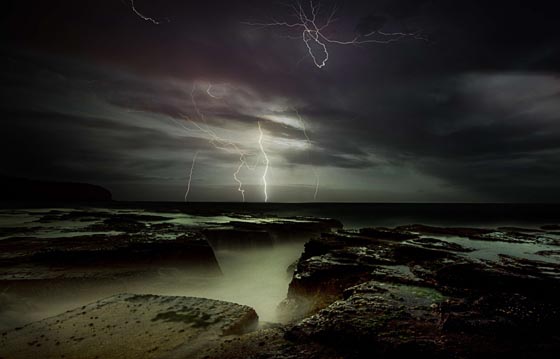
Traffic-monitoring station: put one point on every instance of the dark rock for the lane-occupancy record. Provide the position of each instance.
(387, 298)
(119, 224)
(20, 231)
(88, 255)
(550, 253)
(519, 229)
(432, 243)
(481, 234)
(471, 278)
(453, 231)
(336, 261)
(290, 228)
(376, 319)
(165, 326)
(384, 233)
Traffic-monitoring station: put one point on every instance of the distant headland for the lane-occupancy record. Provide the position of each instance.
(23, 189)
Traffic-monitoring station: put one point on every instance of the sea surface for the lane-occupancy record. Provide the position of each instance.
(358, 215)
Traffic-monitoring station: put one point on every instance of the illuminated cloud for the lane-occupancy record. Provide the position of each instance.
(96, 93)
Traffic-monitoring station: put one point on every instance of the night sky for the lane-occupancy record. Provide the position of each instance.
(468, 112)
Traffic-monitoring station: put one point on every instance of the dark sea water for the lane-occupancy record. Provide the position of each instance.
(355, 215)
(358, 215)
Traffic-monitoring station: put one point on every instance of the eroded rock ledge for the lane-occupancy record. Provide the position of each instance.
(130, 326)
(418, 291)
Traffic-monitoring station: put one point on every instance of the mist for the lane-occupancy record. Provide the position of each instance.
(256, 277)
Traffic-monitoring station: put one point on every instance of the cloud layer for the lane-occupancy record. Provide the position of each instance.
(92, 92)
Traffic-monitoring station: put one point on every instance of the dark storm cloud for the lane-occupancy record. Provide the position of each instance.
(51, 145)
(475, 107)
(325, 158)
(468, 134)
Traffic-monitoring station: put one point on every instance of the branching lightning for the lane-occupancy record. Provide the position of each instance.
(314, 32)
(221, 143)
(231, 147)
(142, 16)
(190, 176)
(247, 159)
(314, 169)
(266, 162)
(216, 141)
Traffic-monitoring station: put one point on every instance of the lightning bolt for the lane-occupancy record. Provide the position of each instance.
(190, 176)
(209, 92)
(142, 16)
(221, 143)
(229, 147)
(266, 161)
(313, 168)
(218, 142)
(313, 32)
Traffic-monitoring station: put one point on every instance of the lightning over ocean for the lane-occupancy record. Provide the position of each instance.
(291, 101)
(318, 179)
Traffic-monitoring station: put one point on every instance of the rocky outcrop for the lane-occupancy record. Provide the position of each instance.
(267, 232)
(377, 292)
(130, 326)
(292, 228)
(334, 262)
(98, 256)
(374, 319)
(409, 295)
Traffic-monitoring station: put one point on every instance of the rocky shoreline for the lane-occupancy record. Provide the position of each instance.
(392, 293)
(375, 292)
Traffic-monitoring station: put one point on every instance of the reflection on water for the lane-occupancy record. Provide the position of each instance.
(491, 250)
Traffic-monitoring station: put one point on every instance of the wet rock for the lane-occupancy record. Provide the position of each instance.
(547, 272)
(291, 269)
(118, 224)
(398, 274)
(290, 228)
(504, 234)
(451, 231)
(337, 261)
(266, 343)
(90, 256)
(385, 233)
(555, 254)
(432, 243)
(324, 277)
(519, 229)
(423, 296)
(20, 231)
(375, 319)
(131, 326)
(476, 278)
(72, 215)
